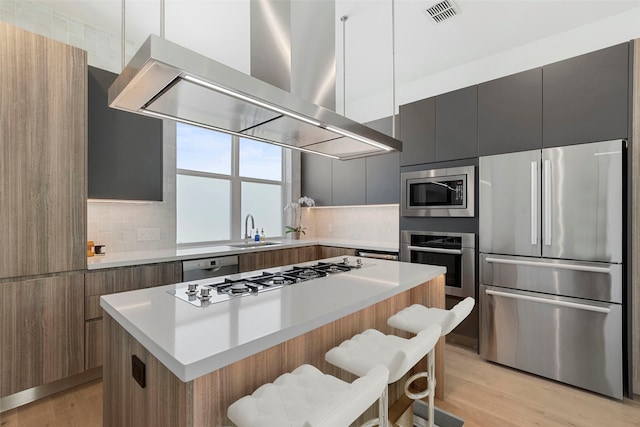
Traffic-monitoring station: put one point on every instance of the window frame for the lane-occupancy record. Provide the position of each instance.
(237, 222)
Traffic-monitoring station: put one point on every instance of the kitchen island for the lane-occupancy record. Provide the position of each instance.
(198, 360)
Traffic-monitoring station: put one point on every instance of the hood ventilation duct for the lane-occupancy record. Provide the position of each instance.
(169, 81)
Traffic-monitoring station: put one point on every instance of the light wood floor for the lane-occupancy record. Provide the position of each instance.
(482, 393)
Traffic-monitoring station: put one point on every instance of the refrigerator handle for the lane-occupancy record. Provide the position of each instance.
(560, 303)
(546, 226)
(534, 203)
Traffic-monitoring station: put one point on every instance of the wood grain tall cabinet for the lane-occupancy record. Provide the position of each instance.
(43, 108)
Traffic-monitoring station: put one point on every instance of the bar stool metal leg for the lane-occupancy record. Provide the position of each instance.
(417, 317)
(372, 347)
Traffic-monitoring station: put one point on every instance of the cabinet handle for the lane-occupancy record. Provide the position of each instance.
(550, 301)
(587, 268)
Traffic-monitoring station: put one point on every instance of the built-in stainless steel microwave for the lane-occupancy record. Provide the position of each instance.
(438, 192)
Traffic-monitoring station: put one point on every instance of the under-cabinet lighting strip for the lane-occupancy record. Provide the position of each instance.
(358, 137)
(250, 99)
(288, 113)
(230, 132)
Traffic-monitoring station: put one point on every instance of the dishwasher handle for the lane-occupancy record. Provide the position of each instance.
(378, 255)
(209, 264)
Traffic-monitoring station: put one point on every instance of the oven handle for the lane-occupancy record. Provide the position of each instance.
(550, 301)
(587, 268)
(436, 250)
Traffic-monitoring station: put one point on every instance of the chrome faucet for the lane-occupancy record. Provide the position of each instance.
(246, 231)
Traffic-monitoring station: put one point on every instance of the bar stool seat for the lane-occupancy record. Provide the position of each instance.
(370, 348)
(417, 317)
(306, 397)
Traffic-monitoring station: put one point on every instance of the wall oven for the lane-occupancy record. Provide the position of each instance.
(455, 251)
(438, 192)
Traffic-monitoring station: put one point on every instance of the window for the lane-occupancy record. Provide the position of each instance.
(222, 178)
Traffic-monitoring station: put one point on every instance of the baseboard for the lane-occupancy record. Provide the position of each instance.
(35, 393)
(462, 340)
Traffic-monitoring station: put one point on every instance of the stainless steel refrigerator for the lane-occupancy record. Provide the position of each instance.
(551, 239)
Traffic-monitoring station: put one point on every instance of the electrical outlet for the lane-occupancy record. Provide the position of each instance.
(330, 227)
(148, 234)
(138, 371)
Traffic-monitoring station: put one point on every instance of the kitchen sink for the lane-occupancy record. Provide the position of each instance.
(253, 244)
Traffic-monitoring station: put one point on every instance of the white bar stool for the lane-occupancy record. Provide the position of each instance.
(370, 348)
(308, 398)
(418, 317)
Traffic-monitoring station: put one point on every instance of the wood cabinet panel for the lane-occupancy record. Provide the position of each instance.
(42, 334)
(277, 258)
(92, 343)
(42, 154)
(331, 251)
(108, 281)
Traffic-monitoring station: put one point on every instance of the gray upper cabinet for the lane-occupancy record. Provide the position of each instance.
(510, 113)
(349, 182)
(125, 149)
(371, 180)
(383, 171)
(418, 132)
(317, 178)
(457, 124)
(585, 98)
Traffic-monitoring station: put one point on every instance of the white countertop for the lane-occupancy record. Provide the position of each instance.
(122, 259)
(194, 341)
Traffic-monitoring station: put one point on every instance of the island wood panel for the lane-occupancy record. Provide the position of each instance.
(112, 280)
(42, 336)
(635, 219)
(166, 401)
(277, 257)
(43, 154)
(331, 251)
(108, 281)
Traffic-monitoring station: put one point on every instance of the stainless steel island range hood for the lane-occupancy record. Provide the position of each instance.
(169, 81)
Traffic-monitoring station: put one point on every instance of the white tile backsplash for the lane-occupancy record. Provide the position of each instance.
(373, 222)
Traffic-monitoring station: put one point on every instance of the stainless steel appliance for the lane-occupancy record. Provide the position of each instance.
(209, 267)
(551, 263)
(455, 251)
(168, 81)
(438, 192)
(204, 294)
(366, 253)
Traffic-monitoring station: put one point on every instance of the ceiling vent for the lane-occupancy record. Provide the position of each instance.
(442, 11)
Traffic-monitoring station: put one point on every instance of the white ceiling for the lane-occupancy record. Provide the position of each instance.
(220, 28)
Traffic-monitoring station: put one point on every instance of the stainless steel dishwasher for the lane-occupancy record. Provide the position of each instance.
(209, 267)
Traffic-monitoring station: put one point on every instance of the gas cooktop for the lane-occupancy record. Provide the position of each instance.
(204, 294)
